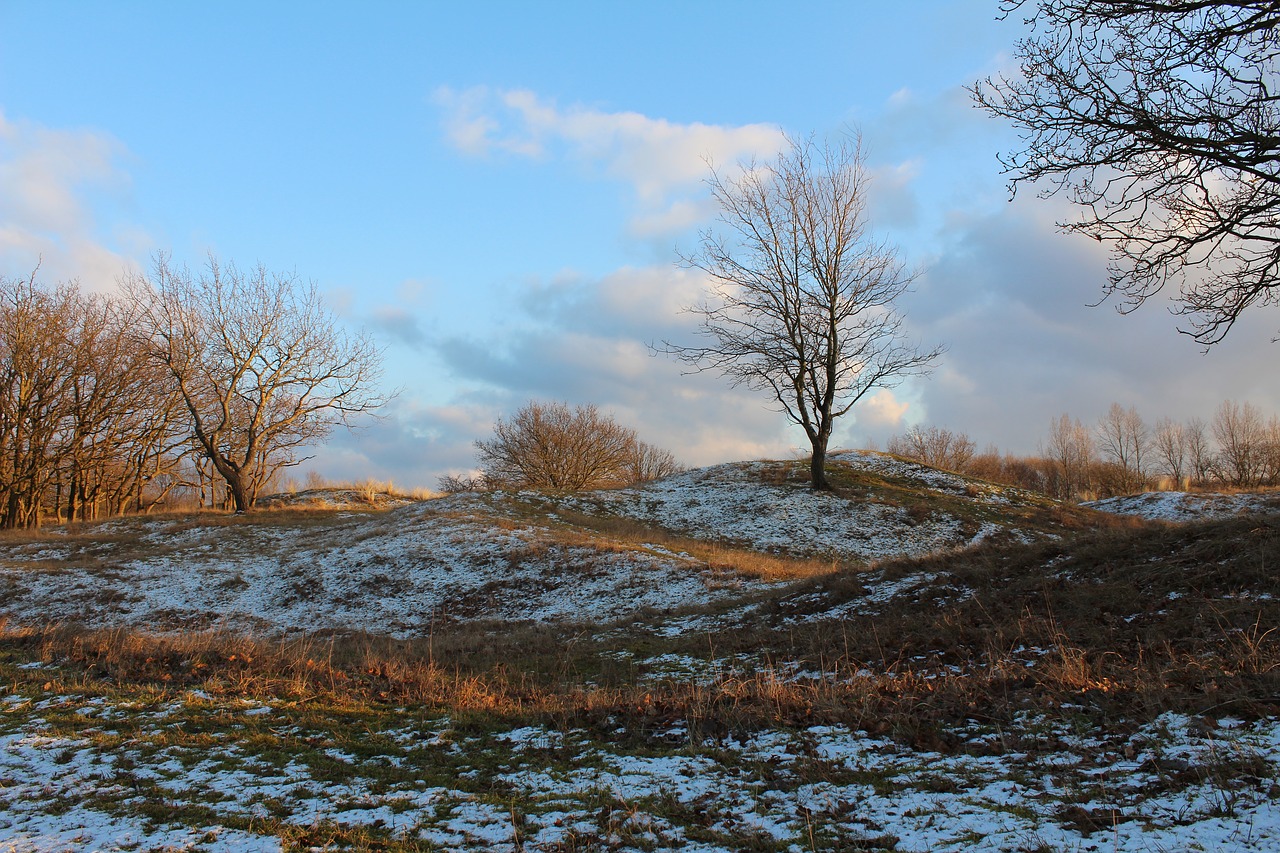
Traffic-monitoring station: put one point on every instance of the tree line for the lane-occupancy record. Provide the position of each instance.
(1122, 453)
(210, 382)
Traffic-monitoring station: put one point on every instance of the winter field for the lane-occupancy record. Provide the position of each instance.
(723, 660)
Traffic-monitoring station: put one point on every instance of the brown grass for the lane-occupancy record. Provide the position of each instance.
(717, 556)
(1117, 624)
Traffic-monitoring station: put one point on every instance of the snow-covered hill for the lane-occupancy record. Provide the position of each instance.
(885, 737)
(493, 556)
(1188, 506)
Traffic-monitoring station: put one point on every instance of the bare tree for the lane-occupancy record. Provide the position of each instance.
(803, 300)
(1159, 119)
(262, 367)
(934, 446)
(555, 446)
(649, 463)
(1124, 439)
(1071, 450)
(1199, 452)
(1241, 435)
(85, 423)
(1169, 442)
(1271, 451)
(37, 367)
(453, 484)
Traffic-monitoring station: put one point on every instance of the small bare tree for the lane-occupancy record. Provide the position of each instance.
(262, 367)
(803, 301)
(1124, 439)
(1200, 455)
(1271, 452)
(649, 463)
(556, 446)
(1241, 435)
(1071, 450)
(934, 446)
(1169, 441)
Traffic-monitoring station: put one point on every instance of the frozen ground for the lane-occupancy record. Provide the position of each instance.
(399, 572)
(744, 503)
(1188, 506)
(1177, 784)
(501, 557)
(83, 771)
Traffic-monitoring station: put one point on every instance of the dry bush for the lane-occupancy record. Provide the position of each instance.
(934, 446)
(555, 446)
(453, 484)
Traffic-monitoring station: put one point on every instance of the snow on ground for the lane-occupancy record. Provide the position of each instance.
(492, 556)
(396, 572)
(1176, 784)
(738, 502)
(1188, 506)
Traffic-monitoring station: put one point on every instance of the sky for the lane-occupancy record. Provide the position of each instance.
(498, 193)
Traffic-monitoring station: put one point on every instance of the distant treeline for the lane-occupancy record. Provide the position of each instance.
(1239, 447)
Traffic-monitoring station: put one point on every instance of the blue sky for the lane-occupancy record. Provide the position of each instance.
(497, 192)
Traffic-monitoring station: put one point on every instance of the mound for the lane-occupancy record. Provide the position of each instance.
(527, 557)
(880, 507)
(1188, 506)
(398, 572)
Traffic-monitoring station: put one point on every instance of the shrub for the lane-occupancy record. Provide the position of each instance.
(555, 446)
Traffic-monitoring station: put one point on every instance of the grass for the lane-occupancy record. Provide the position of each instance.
(1125, 621)
(582, 527)
(1001, 650)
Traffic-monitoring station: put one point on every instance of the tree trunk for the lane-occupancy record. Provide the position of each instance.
(818, 465)
(239, 495)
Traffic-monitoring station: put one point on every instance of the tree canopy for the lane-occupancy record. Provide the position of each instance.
(261, 366)
(803, 300)
(1159, 121)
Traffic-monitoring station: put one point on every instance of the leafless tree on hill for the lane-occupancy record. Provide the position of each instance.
(37, 367)
(934, 446)
(1124, 439)
(1070, 448)
(261, 366)
(1169, 442)
(649, 463)
(803, 300)
(1199, 451)
(85, 425)
(1241, 435)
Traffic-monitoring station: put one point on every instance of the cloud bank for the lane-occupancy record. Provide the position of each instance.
(48, 179)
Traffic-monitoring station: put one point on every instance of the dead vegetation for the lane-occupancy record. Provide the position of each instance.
(1119, 624)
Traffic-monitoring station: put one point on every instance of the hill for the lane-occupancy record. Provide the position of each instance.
(924, 662)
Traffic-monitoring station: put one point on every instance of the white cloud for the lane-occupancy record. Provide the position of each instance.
(657, 158)
(48, 181)
(882, 409)
(1011, 297)
(892, 199)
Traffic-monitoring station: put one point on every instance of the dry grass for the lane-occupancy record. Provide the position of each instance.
(717, 556)
(1116, 624)
(370, 490)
